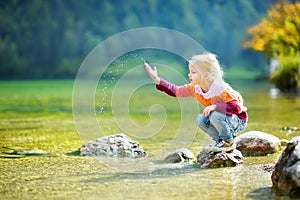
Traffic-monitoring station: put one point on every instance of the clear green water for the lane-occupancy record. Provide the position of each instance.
(38, 114)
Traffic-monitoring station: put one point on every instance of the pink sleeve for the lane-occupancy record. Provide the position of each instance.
(166, 87)
(230, 108)
(173, 90)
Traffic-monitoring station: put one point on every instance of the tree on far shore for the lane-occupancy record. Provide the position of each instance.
(278, 36)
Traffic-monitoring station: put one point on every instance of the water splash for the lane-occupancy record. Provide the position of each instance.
(143, 59)
(101, 110)
(107, 84)
(113, 73)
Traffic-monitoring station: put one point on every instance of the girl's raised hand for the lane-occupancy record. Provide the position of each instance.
(152, 73)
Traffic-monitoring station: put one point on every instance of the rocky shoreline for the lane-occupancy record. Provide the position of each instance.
(285, 173)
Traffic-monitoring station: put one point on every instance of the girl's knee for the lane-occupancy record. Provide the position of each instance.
(216, 117)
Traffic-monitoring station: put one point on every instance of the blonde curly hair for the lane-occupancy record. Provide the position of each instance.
(207, 66)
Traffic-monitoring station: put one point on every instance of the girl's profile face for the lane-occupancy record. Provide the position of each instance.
(194, 76)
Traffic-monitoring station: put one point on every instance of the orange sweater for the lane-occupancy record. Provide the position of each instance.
(222, 95)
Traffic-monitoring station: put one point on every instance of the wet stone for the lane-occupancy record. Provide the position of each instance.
(119, 145)
(180, 155)
(209, 159)
(284, 142)
(286, 175)
(20, 153)
(257, 143)
(267, 167)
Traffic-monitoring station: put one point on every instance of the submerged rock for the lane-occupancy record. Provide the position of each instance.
(209, 159)
(30, 152)
(257, 143)
(286, 175)
(180, 155)
(20, 153)
(267, 167)
(119, 145)
(284, 142)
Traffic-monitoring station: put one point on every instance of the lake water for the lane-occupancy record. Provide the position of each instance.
(51, 128)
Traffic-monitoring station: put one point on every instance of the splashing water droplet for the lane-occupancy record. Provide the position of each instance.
(143, 59)
(108, 126)
(101, 110)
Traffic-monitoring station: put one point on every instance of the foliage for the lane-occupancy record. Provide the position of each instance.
(279, 31)
(288, 78)
(49, 39)
(278, 34)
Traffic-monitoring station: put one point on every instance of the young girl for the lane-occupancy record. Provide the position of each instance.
(224, 113)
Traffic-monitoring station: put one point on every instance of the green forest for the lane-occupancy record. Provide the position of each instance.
(49, 39)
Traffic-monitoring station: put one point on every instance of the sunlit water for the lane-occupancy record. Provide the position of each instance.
(73, 177)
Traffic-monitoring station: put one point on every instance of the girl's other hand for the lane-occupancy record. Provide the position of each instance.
(207, 110)
(152, 73)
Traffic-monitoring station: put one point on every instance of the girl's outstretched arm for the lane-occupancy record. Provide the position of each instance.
(165, 86)
(152, 73)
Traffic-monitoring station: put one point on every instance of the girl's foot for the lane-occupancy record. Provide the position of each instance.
(224, 145)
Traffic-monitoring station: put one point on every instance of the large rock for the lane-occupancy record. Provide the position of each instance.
(209, 159)
(257, 143)
(286, 175)
(180, 155)
(119, 145)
